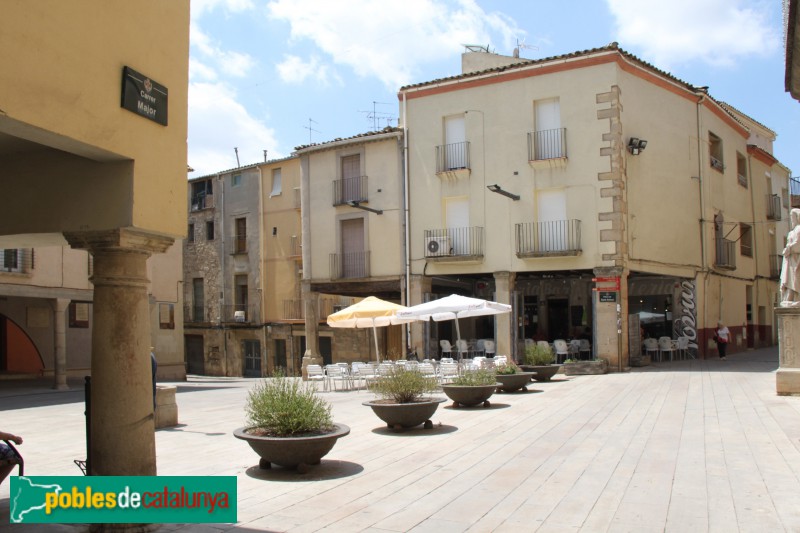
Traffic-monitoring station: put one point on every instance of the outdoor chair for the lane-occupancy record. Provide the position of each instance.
(585, 347)
(336, 374)
(447, 360)
(448, 372)
(426, 369)
(542, 344)
(315, 373)
(666, 346)
(651, 348)
(561, 349)
(682, 345)
(446, 347)
(462, 347)
(488, 348)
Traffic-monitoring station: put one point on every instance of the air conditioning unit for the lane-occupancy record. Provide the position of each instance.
(239, 316)
(438, 246)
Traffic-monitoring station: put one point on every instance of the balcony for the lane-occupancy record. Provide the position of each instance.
(548, 239)
(547, 144)
(351, 265)
(296, 248)
(241, 313)
(194, 313)
(201, 201)
(726, 254)
(239, 244)
(452, 157)
(350, 190)
(775, 264)
(716, 164)
(454, 244)
(293, 310)
(773, 207)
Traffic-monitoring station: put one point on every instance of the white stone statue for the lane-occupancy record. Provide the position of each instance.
(790, 277)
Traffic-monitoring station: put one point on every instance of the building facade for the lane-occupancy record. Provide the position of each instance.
(597, 195)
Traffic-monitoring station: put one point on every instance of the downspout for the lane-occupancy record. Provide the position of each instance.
(703, 244)
(406, 221)
(262, 262)
(222, 275)
(754, 303)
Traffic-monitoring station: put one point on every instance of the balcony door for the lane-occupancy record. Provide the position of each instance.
(455, 138)
(547, 115)
(352, 233)
(457, 220)
(552, 208)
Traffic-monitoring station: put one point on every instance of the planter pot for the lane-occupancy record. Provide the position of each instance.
(642, 360)
(543, 373)
(290, 452)
(469, 395)
(405, 415)
(513, 382)
(586, 368)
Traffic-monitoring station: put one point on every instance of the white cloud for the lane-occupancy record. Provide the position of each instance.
(390, 39)
(201, 7)
(294, 70)
(717, 32)
(233, 63)
(214, 114)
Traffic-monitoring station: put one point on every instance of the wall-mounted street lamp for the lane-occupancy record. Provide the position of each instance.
(358, 205)
(636, 145)
(496, 188)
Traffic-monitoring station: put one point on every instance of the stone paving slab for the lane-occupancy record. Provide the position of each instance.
(681, 446)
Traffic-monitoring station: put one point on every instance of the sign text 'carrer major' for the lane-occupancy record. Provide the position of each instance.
(144, 96)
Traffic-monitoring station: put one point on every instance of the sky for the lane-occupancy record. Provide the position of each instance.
(276, 74)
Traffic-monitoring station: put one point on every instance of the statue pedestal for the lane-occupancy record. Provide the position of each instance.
(787, 380)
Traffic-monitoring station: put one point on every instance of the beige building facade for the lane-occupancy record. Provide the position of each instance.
(544, 183)
(93, 152)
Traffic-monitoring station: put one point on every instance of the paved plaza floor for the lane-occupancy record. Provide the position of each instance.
(682, 446)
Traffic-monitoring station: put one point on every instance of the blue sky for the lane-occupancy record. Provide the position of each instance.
(263, 71)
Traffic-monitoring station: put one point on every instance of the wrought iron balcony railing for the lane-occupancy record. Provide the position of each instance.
(350, 265)
(294, 310)
(548, 238)
(547, 144)
(350, 190)
(452, 157)
(454, 243)
(194, 313)
(773, 207)
(242, 313)
(775, 264)
(726, 254)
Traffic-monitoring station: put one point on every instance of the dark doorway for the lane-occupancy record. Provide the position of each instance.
(325, 350)
(558, 318)
(193, 348)
(251, 349)
(280, 356)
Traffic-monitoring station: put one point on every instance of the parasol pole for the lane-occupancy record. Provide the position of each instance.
(375, 336)
(458, 341)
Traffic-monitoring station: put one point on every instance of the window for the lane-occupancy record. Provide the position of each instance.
(349, 187)
(198, 300)
(210, 230)
(79, 314)
(741, 169)
(456, 151)
(240, 295)
(236, 180)
(548, 140)
(190, 233)
(746, 240)
(201, 191)
(715, 152)
(12, 260)
(166, 316)
(240, 239)
(276, 182)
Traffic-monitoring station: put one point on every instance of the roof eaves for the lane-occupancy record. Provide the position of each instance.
(368, 136)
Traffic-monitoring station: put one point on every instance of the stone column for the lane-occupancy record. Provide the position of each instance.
(122, 422)
(787, 378)
(60, 353)
(610, 319)
(310, 306)
(504, 287)
(420, 285)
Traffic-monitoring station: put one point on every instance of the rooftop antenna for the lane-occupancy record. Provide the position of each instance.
(376, 115)
(265, 156)
(235, 149)
(522, 46)
(311, 129)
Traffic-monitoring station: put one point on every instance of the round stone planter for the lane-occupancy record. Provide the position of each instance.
(542, 373)
(513, 382)
(405, 415)
(469, 395)
(299, 452)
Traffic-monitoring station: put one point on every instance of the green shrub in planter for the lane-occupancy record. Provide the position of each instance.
(281, 407)
(536, 355)
(404, 386)
(506, 368)
(472, 378)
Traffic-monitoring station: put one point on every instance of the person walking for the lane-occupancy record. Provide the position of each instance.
(721, 337)
(8, 456)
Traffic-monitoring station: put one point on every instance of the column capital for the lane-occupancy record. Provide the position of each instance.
(129, 239)
(505, 275)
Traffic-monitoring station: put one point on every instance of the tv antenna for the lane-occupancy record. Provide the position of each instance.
(311, 129)
(376, 116)
(522, 46)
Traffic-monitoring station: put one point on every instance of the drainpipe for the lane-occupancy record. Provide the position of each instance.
(754, 240)
(703, 244)
(262, 276)
(222, 273)
(406, 221)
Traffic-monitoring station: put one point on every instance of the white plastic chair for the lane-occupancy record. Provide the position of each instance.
(336, 374)
(666, 346)
(488, 348)
(575, 348)
(448, 372)
(683, 347)
(651, 348)
(447, 348)
(585, 347)
(462, 347)
(315, 373)
(561, 349)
